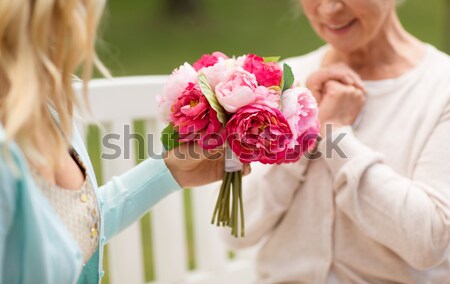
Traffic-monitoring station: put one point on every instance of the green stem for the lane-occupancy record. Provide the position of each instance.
(219, 198)
(224, 214)
(241, 204)
(233, 208)
(227, 219)
(231, 188)
(235, 204)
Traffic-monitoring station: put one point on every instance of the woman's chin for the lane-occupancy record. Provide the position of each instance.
(346, 40)
(346, 45)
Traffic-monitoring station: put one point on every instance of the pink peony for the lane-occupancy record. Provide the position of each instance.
(259, 133)
(267, 74)
(240, 60)
(304, 143)
(237, 90)
(214, 135)
(195, 120)
(268, 97)
(307, 140)
(208, 60)
(175, 86)
(219, 71)
(300, 109)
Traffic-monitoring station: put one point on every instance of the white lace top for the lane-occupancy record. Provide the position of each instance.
(77, 209)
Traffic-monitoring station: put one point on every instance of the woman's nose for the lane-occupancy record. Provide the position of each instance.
(330, 7)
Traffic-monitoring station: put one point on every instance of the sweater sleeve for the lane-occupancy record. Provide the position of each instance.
(411, 216)
(265, 201)
(129, 196)
(8, 191)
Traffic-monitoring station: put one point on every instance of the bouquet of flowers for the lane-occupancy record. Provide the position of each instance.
(246, 103)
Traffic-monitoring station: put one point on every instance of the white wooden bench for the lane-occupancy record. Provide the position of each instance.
(119, 102)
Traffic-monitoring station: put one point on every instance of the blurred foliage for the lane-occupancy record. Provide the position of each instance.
(182, 8)
(447, 26)
(141, 37)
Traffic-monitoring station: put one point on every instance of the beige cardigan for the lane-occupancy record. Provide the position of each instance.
(381, 215)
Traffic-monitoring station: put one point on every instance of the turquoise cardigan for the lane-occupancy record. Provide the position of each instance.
(36, 247)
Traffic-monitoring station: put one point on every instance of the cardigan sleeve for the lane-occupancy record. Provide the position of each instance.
(125, 198)
(129, 196)
(411, 216)
(8, 191)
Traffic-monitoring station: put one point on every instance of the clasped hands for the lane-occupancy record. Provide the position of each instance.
(340, 94)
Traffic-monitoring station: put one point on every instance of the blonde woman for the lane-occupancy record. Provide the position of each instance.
(54, 221)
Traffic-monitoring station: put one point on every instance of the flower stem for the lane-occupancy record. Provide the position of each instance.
(241, 204)
(230, 191)
(220, 197)
(224, 215)
(234, 214)
(232, 219)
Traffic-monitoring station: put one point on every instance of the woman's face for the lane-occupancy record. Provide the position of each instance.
(348, 24)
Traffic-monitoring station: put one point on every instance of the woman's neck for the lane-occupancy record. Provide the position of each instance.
(390, 54)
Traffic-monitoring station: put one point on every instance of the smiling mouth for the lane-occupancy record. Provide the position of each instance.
(340, 27)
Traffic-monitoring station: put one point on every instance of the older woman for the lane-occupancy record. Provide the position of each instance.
(375, 207)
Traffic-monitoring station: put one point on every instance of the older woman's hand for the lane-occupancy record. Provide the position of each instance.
(339, 91)
(337, 72)
(340, 105)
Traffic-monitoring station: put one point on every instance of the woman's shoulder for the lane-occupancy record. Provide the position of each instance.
(304, 65)
(438, 59)
(436, 71)
(436, 68)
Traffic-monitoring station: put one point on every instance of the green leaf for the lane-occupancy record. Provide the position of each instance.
(288, 77)
(212, 99)
(272, 59)
(169, 137)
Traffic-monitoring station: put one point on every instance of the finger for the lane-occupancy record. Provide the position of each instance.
(357, 81)
(361, 96)
(317, 94)
(344, 76)
(333, 86)
(359, 92)
(354, 91)
(338, 72)
(316, 83)
(348, 75)
(352, 76)
(360, 85)
(246, 169)
(315, 87)
(337, 88)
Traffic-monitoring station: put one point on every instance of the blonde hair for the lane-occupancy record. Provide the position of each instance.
(43, 43)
